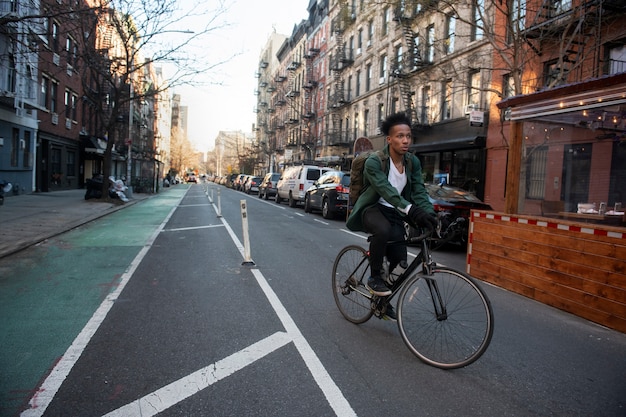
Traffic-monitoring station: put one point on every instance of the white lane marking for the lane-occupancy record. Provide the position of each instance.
(321, 221)
(194, 205)
(179, 229)
(175, 392)
(331, 391)
(171, 394)
(48, 389)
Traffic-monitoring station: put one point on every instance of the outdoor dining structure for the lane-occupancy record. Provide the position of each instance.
(561, 239)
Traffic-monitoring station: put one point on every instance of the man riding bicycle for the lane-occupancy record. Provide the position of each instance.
(393, 193)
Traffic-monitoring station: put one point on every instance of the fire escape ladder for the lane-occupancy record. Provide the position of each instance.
(410, 62)
(573, 44)
(337, 96)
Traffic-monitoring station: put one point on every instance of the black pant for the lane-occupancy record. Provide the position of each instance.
(384, 224)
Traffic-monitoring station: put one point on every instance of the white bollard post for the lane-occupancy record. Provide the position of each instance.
(246, 239)
(219, 204)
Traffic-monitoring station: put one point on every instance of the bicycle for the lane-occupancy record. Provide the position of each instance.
(444, 317)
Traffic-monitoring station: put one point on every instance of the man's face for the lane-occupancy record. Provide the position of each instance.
(399, 139)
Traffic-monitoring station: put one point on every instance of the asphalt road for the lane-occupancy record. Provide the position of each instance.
(169, 312)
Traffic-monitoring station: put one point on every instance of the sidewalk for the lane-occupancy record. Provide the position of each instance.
(32, 218)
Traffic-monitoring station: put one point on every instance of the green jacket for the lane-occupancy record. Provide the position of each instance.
(376, 184)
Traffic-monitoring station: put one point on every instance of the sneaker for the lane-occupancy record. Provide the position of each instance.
(390, 313)
(377, 286)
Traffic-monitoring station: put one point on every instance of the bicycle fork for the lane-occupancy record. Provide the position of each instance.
(435, 295)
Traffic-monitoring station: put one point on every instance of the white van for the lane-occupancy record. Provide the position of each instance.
(295, 180)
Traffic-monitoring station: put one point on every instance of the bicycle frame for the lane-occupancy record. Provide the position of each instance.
(443, 316)
(423, 258)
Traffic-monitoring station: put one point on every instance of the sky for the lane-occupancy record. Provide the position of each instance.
(229, 106)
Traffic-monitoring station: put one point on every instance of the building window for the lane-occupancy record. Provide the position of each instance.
(553, 74)
(536, 168)
(366, 118)
(386, 20)
(395, 105)
(11, 74)
(382, 73)
(359, 41)
(54, 90)
(446, 100)
(417, 55)
(370, 33)
(368, 77)
(358, 84)
(381, 115)
(68, 104)
(71, 51)
(558, 7)
(616, 59)
(477, 20)
(356, 126)
(450, 31)
(398, 64)
(54, 36)
(349, 92)
(508, 86)
(425, 105)
(473, 91)
(430, 43)
(43, 94)
(74, 104)
(518, 19)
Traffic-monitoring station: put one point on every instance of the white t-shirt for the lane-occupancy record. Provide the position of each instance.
(397, 180)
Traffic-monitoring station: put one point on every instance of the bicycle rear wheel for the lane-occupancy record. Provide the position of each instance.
(350, 271)
(445, 319)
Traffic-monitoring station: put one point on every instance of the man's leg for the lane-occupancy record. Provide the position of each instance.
(379, 228)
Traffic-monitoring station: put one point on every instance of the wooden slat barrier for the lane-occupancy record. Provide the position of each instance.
(576, 267)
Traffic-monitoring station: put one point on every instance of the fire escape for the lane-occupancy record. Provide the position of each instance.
(263, 109)
(310, 83)
(339, 60)
(410, 63)
(278, 104)
(293, 97)
(572, 31)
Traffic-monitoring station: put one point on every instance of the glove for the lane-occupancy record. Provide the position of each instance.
(423, 218)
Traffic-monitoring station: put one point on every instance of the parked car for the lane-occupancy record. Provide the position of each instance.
(295, 180)
(453, 206)
(329, 194)
(238, 182)
(252, 184)
(267, 188)
(191, 178)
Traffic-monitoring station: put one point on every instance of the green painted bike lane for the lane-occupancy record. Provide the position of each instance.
(50, 291)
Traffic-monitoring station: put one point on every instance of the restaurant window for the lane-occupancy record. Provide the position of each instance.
(536, 172)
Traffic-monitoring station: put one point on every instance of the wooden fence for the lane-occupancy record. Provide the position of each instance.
(576, 267)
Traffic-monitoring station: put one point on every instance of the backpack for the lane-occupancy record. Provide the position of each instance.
(356, 173)
(357, 185)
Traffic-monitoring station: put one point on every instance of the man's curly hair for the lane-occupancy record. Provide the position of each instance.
(393, 120)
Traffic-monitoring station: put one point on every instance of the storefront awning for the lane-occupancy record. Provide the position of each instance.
(449, 144)
(95, 145)
(570, 103)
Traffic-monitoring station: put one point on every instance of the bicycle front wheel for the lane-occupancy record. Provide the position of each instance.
(350, 272)
(445, 319)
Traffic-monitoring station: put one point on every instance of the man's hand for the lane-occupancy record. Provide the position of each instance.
(422, 218)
